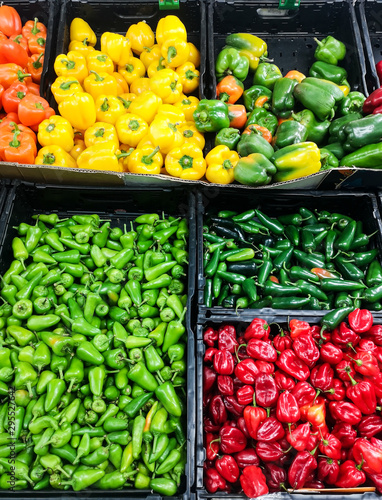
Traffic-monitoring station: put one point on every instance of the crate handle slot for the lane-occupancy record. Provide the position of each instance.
(276, 13)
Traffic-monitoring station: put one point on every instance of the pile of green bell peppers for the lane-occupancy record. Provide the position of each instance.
(93, 354)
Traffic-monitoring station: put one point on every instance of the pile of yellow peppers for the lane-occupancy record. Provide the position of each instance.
(126, 107)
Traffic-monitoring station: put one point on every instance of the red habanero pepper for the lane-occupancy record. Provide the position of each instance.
(303, 464)
(270, 430)
(265, 367)
(345, 433)
(246, 457)
(237, 384)
(209, 426)
(329, 353)
(282, 341)
(266, 391)
(228, 329)
(213, 480)
(337, 391)
(245, 395)
(210, 336)
(241, 425)
(316, 413)
(327, 470)
(253, 416)
(362, 394)
(258, 329)
(330, 446)
(345, 412)
(321, 376)
(376, 480)
(217, 410)
(314, 484)
(344, 369)
(319, 336)
(376, 442)
(284, 382)
(298, 328)
(209, 354)
(343, 336)
(304, 393)
(287, 410)
(232, 440)
(377, 382)
(227, 342)
(253, 482)
(367, 345)
(259, 349)
(312, 442)
(12, 52)
(306, 349)
(299, 437)
(246, 371)
(233, 406)
(366, 364)
(209, 378)
(225, 385)
(292, 365)
(350, 475)
(378, 354)
(370, 426)
(228, 468)
(360, 320)
(276, 477)
(224, 363)
(212, 446)
(269, 452)
(375, 333)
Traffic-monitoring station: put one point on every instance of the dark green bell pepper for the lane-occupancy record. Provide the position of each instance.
(211, 115)
(336, 129)
(320, 96)
(230, 62)
(327, 71)
(267, 75)
(283, 100)
(352, 103)
(362, 132)
(254, 143)
(369, 156)
(328, 159)
(317, 130)
(254, 170)
(337, 149)
(251, 96)
(289, 132)
(264, 118)
(227, 137)
(330, 50)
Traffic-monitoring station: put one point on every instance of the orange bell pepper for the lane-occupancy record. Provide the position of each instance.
(295, 75)
(33, 88)
(10, 21)
(230, 89)
(33, 110)
(12, 52)
(18, 147)
(262, 130)
(8, 126)
(237, 115)
(10, 73)
(20, 40)
(13, 96)
(34, 66)
(37, 44)
(33, 28)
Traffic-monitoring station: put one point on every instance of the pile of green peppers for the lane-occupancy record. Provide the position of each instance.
(92, 357)
(314, 260)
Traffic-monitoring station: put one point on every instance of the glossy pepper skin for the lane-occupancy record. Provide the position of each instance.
(330, 50)
(254, 170)
(320, 96)
(211, 116)
(230, 62)
(253, 482)
(296, 161)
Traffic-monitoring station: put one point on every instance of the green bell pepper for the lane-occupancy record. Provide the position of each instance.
(337, 149)
(267, 75)
(362, 132)
(289, 132)
(369, 156)
(230, 62)
(228, 137)
(252, 94)
(283, 100)
(336, 129)
(326, 71)
(320, 96)
(211, 115)
(352, 103)
(254, 143)
(328, 159)
(317, 130)
(254, 170)
(262, 117)
(330, 50)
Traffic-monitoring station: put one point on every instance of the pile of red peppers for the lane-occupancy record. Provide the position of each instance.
(295, 407)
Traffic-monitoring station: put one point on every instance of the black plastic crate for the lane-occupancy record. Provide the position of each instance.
(240, 325)
(117, 15)
(289, 34)
(359, 205)
(120, 206)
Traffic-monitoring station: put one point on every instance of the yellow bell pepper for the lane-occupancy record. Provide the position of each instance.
(175, 52)
(131, 129)
(146, 105)
(132, 70)
(109, 108)
(126, 100)
(146, 141)
(57, 131)
(164, 133)
(117, 47)
(55, 156)
(81, 31)
(99, 62)
(97, 84)
(170, 27)
(296, 160)
(187, 104)
(102, 156)
(345, 89)
(101, 132)
(140, 36)
(156, 66)
(221, 162)
(146, 160)
(166, 85)
(170, 111)
(64, 86)
(191, 134)
(189, 77)
(140, 85)
(79, 146)
(79, 109)
(72, 64)
(186, 162)
(126, 151)
(81, 47)
(150, 55)
(122, 86)
(194, 55)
